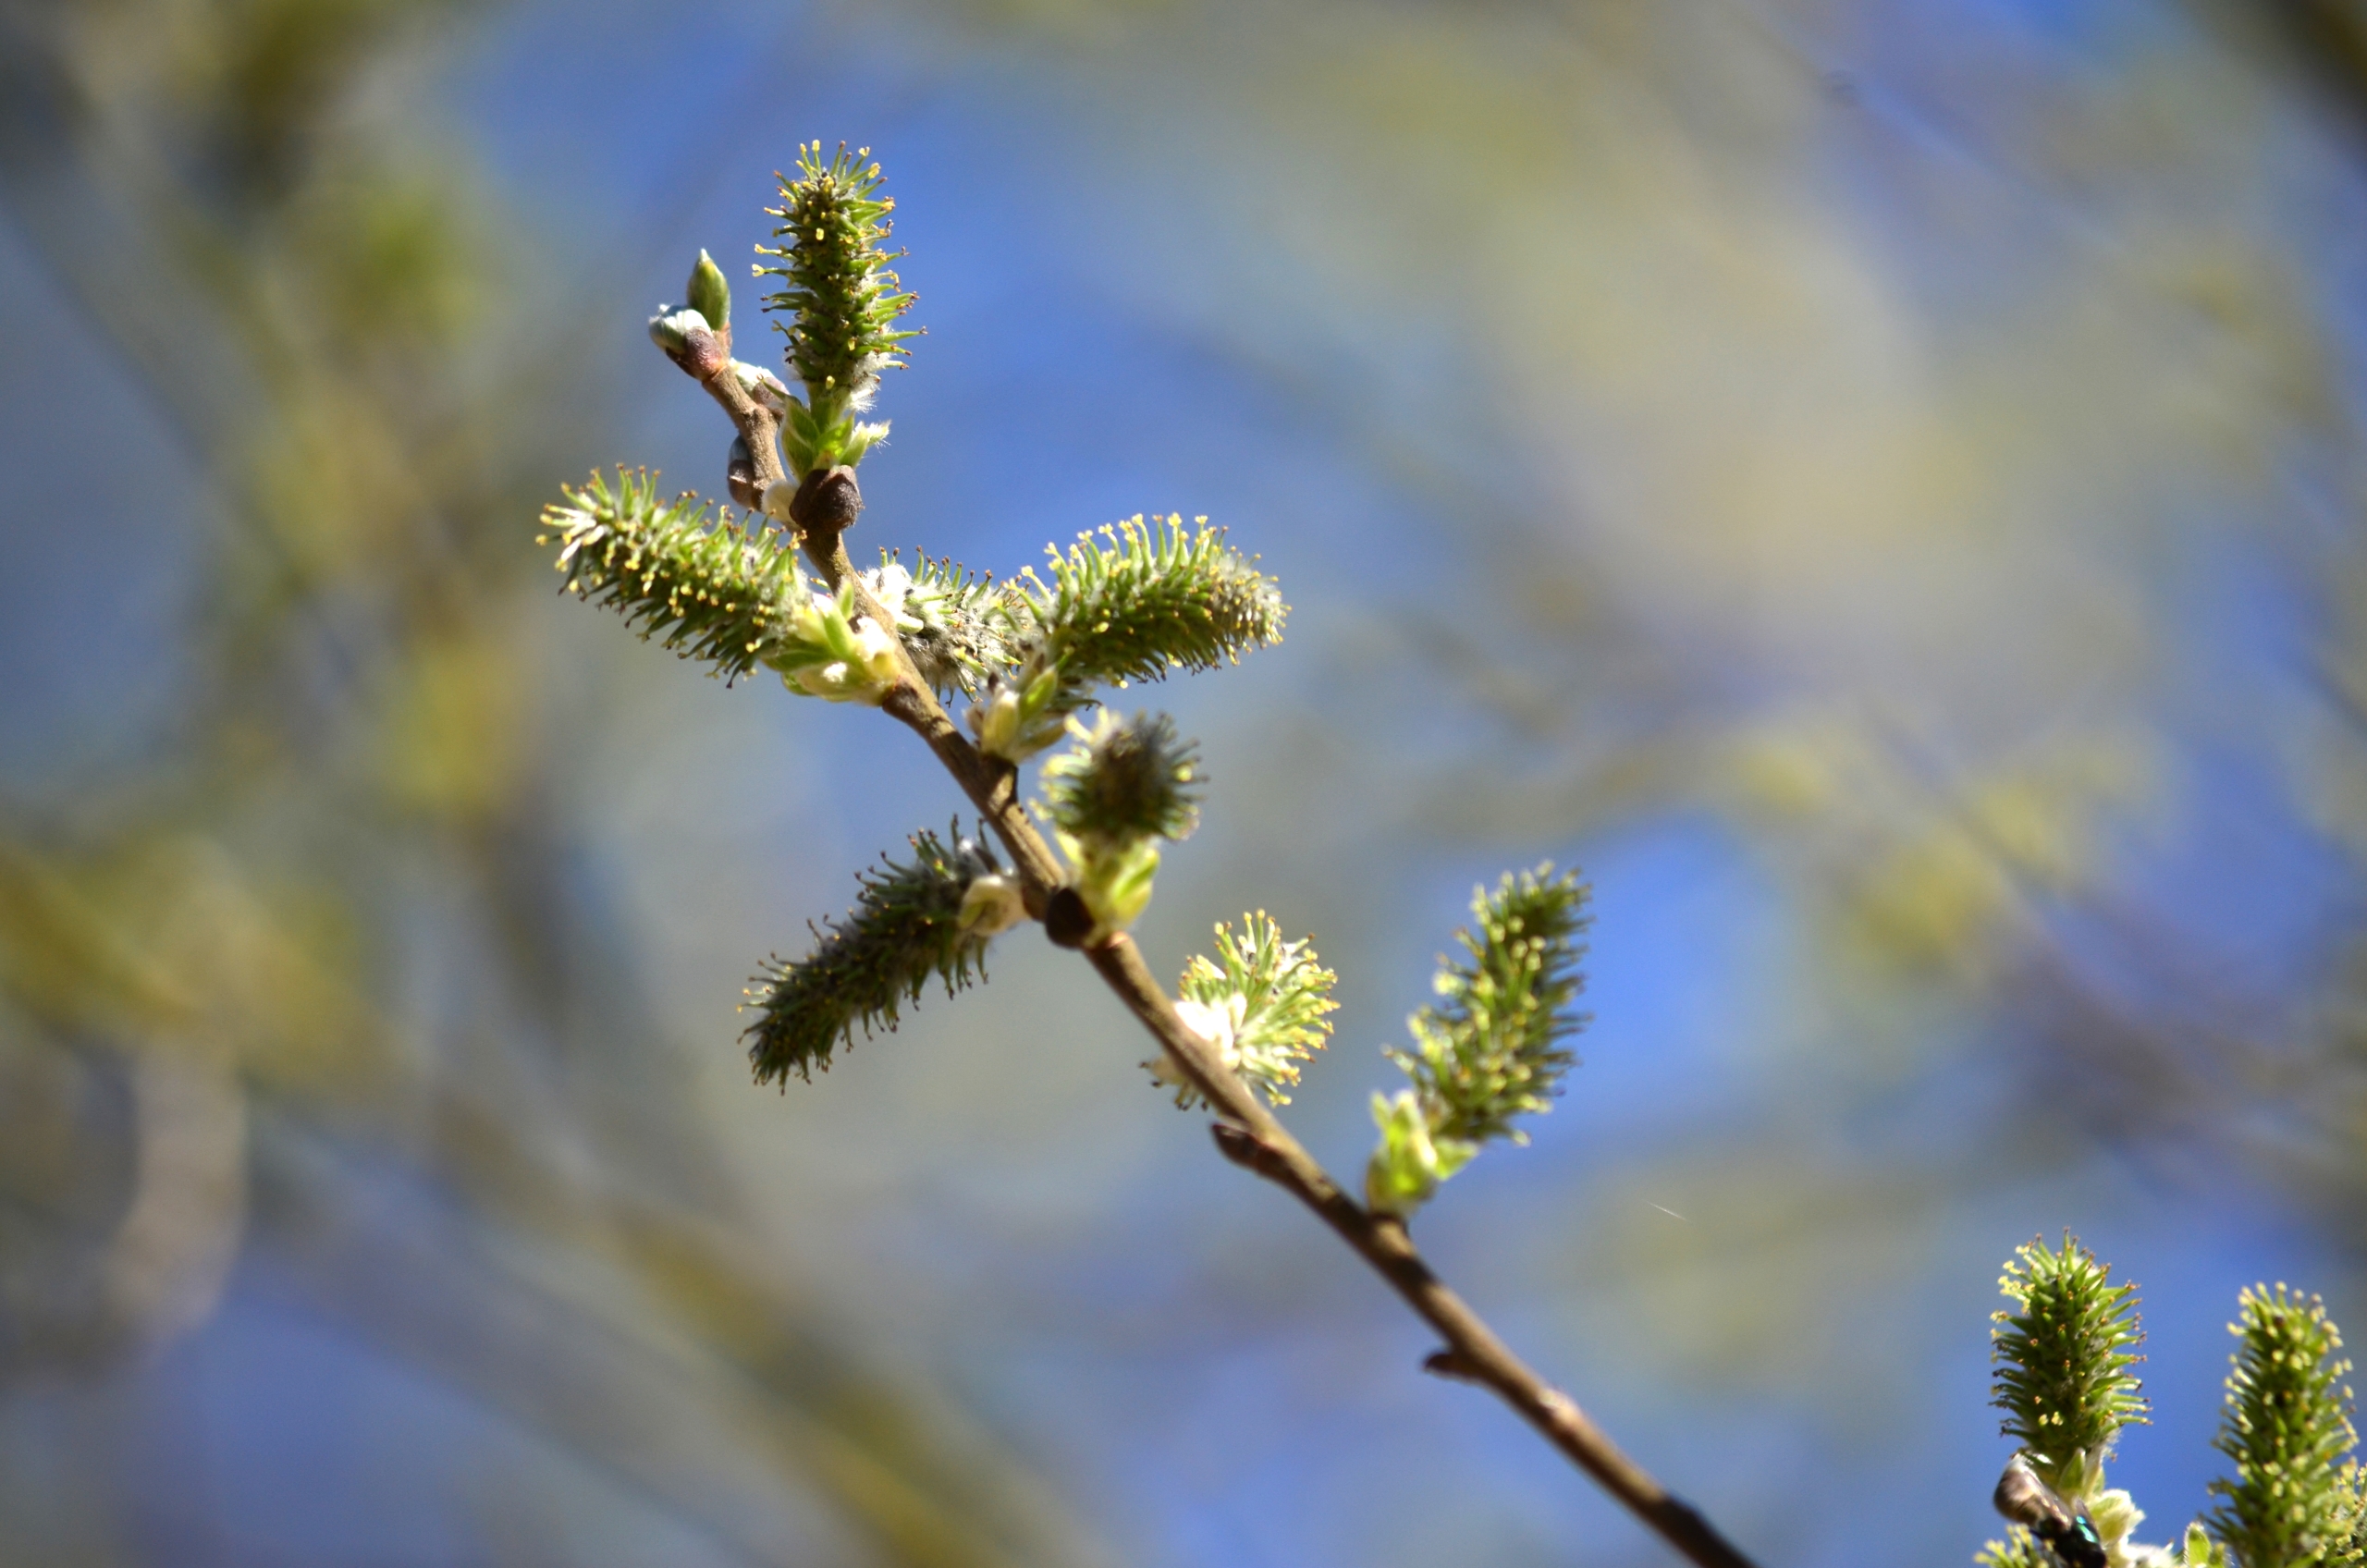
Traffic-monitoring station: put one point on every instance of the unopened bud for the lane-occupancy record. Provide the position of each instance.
(689, 341)
(710, 293)
(740, 474)
(827, 501)
(670, 329)
(991, 904)
(1067, 920)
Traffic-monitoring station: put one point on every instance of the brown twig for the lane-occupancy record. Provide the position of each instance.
(1247, 1132)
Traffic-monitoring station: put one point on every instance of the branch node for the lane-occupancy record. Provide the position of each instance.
(1249, 1151)
(1067, 920)
(827, 501)
(1452, 1365)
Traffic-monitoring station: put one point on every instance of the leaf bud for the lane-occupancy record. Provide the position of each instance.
(710, 293)
(1067, 919)
(690, 342)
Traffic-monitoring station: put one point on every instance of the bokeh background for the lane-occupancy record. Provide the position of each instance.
(1880, 486)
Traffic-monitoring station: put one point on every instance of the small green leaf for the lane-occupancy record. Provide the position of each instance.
(1408, 1165)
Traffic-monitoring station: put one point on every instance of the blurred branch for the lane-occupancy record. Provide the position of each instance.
(2322, 42)
(472, 1311)
(197, 188)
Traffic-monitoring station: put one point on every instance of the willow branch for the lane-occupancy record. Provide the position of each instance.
(1250, 1135)
(1247, 1134)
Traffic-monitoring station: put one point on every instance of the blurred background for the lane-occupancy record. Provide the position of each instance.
(1880, 486)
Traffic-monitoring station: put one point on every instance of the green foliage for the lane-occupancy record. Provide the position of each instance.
(2198, 1551)
(842, 301)
(2351, 1537)
(1408, 1165)
(1148, 598)
(1491, 1050)
(2063, 1378)
(2288, 1427)
(1260, 1002)
(1020, 713)
(720, 593)
(907, 927)
(2063, 1360)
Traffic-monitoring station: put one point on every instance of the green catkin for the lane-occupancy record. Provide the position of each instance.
(2063, 1360)
(840, 300)
(707, 588)
(1491, 1048)
(1149, 598)
(2286, 1425)
(1127, 779)
(904, 931)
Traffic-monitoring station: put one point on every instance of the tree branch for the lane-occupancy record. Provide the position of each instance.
(1247, 1134)
(1251, 1136)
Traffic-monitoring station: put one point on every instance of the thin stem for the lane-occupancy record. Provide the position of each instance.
(1247, 1134)
(991, 784)
(1253, 1137)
